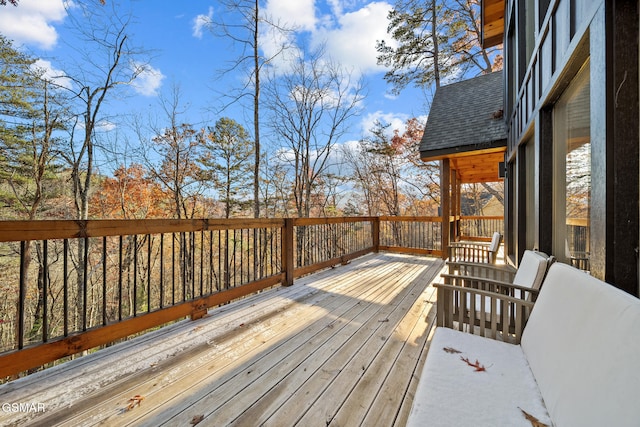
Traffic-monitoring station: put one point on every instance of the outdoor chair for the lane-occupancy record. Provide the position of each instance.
(476, 252)
(579, 259)
(500, 272)
(482, 309)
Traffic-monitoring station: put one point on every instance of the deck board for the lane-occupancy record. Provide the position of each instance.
(339, 347)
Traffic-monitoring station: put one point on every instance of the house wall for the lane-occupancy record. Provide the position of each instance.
(548, 43)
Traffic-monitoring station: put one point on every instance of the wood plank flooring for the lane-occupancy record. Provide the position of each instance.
(340, 347)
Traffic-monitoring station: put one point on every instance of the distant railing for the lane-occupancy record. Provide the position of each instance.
(577, 247)
(480, 228)
(70, 286)
(420, 234)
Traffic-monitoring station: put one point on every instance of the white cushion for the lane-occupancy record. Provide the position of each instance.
(531, 272)
(452, 393)
(495, 242)
(531, 269)
(582, 342)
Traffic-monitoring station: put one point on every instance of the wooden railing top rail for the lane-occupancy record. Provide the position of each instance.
(332, 220)
(184, 267)
(484, 217)
(15, 231)
(411, 218)
(578, 222)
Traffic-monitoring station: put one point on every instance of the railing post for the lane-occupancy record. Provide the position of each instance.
(375, 231)
(287, 251)
(445, 203)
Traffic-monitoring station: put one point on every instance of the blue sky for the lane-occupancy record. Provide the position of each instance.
(184, 52)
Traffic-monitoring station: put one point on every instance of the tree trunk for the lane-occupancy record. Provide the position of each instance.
(434, 36)
(256, 117)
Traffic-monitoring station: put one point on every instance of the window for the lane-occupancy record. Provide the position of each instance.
(572, 172)
(526, 35)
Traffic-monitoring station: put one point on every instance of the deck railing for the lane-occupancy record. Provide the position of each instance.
(71, 286)
(480, 228)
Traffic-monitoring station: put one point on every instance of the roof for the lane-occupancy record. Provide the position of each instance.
(465, 117)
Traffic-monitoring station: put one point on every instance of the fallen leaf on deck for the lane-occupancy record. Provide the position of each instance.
(478, 367)
(196, 419)
(533, 420)
(134, 401)
(451, 350)
(383, 320)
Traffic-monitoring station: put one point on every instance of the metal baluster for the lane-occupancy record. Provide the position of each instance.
(148, 237)
(85, 278)
(65, 286)
(104, 280)
(135, 275)
(45, 275)
(120, 268)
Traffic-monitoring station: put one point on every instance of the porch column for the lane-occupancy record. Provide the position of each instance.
(455, 204)
(445, 203)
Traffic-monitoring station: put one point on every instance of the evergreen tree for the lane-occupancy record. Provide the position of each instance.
(227, 162)
(31, 111)
(431, 41)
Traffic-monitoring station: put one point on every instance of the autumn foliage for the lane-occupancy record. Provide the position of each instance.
(130, 194)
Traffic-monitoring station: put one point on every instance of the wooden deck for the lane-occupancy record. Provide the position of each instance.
(340, 347)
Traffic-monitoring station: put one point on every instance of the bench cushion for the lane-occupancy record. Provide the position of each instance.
(532, 269)
(582, 343)
(452, 393)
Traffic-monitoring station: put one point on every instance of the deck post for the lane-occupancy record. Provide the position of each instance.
(445, 204)
(375, 234)
(287, 251)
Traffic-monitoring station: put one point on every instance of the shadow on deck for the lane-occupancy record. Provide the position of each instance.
(340, 347)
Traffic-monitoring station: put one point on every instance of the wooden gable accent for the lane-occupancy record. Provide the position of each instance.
(475, 166)
(478, 167)
(492, 16)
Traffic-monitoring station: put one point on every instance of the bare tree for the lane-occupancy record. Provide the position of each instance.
(311, 108)
(103, 64)
(275, 192)
(172, 157)
(377, 171)
(362, 167)
(244, 25)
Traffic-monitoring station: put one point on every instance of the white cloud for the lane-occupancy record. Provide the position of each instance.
(396, 120)
(105, 126)
(52, 74)
(299, 14)
(101, 126)
(31, 22)
(149, 79)
(351, 38)
(200, 22)
(280, 46)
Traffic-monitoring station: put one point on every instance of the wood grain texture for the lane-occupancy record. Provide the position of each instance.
(339, 347)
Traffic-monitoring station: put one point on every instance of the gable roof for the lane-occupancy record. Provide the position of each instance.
(465, 117)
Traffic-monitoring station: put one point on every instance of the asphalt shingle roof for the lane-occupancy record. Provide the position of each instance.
(466, 116)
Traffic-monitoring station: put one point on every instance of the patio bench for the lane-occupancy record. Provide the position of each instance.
(576, 364)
